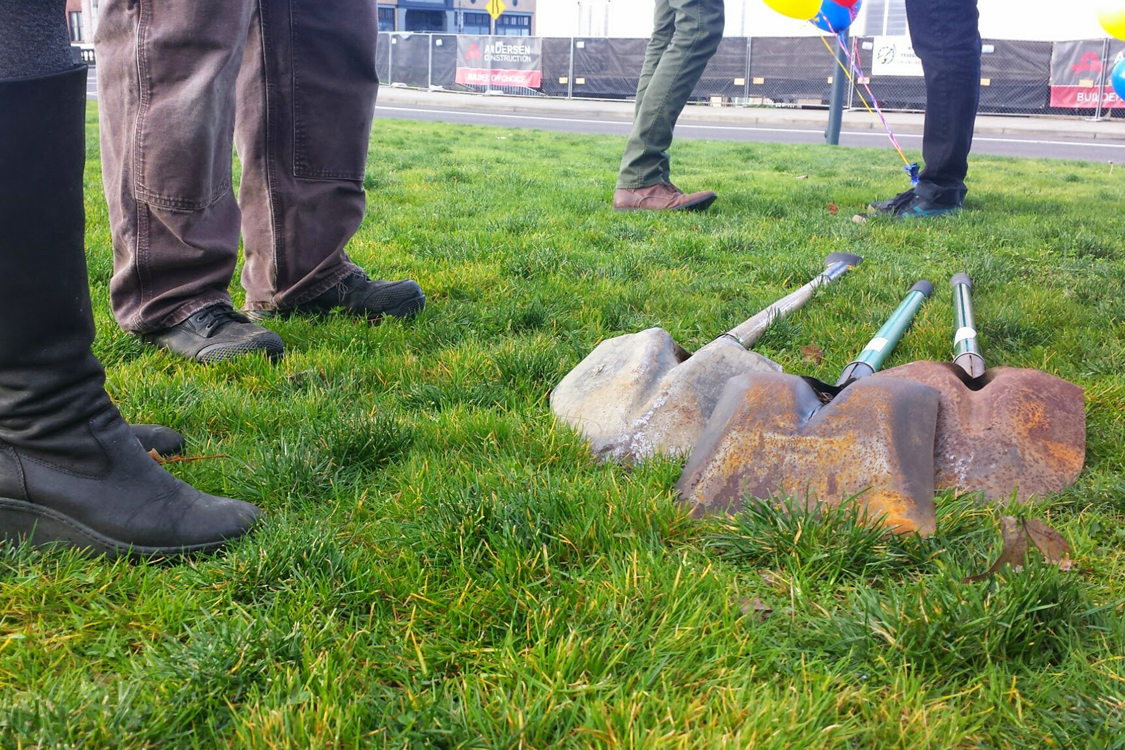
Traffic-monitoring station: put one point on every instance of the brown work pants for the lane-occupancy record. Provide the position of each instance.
(291, 84)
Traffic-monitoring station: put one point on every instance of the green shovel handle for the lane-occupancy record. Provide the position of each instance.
(888, 336)
(966, 349)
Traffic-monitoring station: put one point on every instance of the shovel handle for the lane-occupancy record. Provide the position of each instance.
(887, 337)
(749, 331)
(966, 349)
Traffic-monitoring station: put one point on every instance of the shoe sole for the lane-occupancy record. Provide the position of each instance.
(700, 205)
(40, 526)
(222, 352)
(406, 309)
(928, 214)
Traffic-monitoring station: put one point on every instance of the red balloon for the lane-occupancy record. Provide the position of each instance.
(846, 3)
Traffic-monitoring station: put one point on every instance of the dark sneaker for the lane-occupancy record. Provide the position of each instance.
(892, 206)
(216, 334)
(910, 205)
(359, 296)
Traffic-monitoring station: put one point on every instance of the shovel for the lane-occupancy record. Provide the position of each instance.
(1002, 432)
(642, 393)
(865, 440)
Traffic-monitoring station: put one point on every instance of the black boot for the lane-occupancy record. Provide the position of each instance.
(71, 469)
(156, 437)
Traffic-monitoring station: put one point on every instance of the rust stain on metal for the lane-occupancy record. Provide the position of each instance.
(770, 435)
(1009, 432)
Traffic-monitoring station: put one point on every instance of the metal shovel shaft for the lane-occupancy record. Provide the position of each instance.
(966, 348)
(888, 336)
(750, 330)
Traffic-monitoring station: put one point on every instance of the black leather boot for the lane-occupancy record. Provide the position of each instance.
(71, 469)
(156, 437)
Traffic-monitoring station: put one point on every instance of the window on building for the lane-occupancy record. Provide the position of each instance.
(386, 18)
(75, 22)
(475, 23)
(424, 21)
(886, 18)
(513, 24)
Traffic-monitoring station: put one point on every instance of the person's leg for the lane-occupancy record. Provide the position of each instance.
(663, 26)
(946, 38)
(698, 29)
(34, 42)
(306, 98)
(71, 469)
(166, 81)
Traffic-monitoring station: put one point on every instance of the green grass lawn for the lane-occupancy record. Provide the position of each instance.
(444, 565)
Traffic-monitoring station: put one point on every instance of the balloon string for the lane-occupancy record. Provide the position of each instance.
(877, 112)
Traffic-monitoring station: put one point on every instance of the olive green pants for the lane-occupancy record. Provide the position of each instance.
(685, 35)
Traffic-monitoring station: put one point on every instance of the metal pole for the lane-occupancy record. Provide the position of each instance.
(1101, 79)
(430, 65)
(746, 80)
(851, 89)
(836, 102)
(570, 73)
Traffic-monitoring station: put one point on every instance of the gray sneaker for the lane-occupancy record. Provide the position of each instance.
(215, 334)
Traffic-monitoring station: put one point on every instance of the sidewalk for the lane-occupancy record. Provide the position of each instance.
(853, 120)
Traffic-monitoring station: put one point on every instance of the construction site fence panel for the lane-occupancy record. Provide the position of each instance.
(1017, 77)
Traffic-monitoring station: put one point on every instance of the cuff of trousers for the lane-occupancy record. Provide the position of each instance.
(312, 292)
(177, 316)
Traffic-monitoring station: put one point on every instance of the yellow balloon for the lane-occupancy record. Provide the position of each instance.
(1112, 17)
(802, 10)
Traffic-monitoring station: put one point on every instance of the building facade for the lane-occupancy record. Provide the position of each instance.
(457, 17)
(438, 16)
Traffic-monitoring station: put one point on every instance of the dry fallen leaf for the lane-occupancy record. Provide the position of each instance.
(833, 209)
(859, 219)
(1049, 542)
(812, 353)
(1018, 534)
(756, 606)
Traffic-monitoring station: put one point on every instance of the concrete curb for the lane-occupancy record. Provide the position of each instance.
(904, 122)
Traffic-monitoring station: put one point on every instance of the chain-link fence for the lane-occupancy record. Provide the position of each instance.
(1017, 77)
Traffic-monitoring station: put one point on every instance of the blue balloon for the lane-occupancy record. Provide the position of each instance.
(834, 17)
(1117, 78)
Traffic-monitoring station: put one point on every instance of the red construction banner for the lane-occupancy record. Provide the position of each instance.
(499, 61)
(1077, 69)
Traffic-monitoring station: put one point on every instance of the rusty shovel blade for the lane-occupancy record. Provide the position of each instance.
(865, 441)
(642, 394)
(771, 436)
(1004, 432)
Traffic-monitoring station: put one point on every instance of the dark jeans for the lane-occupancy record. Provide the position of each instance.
(946, 38)
(292, 84)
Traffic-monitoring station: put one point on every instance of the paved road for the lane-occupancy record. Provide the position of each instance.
(1036, 143)
(1056, 138)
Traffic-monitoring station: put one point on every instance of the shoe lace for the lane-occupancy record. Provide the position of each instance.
(213, 318)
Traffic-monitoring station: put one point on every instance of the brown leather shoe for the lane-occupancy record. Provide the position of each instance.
(663, 196)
